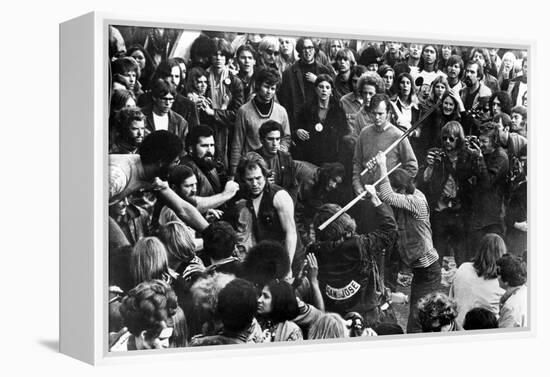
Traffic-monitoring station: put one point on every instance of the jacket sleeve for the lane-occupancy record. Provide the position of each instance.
(227, 117)
(407, 157)
(489, 174)
(384, 237)
(238, 141)
(357, 166)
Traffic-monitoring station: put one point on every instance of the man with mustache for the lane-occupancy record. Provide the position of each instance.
(147, 171)
(201, 158)
(475, 90)
(129, 130)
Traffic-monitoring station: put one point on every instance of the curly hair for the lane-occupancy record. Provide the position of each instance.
(436, 310)
(206, 289)
(219, 240)
(237, 304)
(160, 146)
(148, 305)
(373, 79)
(480, 318)
(512, 270)
(266, 261)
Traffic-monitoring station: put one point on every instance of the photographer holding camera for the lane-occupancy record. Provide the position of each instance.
(491, 169)
(448, 184)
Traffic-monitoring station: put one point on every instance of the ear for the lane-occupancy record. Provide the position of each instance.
(141, 341)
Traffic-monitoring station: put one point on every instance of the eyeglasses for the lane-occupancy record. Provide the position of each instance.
(309, 48)
(450, 138)
(167, 99)
(272, 52)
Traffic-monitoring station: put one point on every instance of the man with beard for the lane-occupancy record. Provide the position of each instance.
(183, 181)
(131, 173)
(279, 162)
(297, 88)
(475, 90)
(130, 130)
(446, 181)
(209, 172)
(266, 212)
(454, 67)
(252, 114)
(159, 116)
(490, 170)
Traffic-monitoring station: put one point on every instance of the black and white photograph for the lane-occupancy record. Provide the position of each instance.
(296, 188)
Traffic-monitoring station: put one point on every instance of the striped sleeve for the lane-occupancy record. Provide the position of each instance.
(416, 205)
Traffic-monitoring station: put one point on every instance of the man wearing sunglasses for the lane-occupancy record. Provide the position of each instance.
(447, 182)
(268, 51)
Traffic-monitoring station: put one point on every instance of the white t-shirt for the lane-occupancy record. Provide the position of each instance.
(471, 291)
(161, 122)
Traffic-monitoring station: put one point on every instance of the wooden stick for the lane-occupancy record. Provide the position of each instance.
(355, 200)
(372, 162)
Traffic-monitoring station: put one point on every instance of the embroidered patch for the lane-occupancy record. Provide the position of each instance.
(344, 293)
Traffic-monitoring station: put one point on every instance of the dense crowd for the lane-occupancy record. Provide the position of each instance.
(231, 157)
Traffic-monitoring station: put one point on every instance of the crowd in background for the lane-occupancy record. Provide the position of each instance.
(231, 156)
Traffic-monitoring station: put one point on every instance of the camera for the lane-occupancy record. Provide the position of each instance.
(438, 154)
(472, 140)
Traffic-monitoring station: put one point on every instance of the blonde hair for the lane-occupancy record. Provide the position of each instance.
(328, 326)
(148, 260)
(179, 241)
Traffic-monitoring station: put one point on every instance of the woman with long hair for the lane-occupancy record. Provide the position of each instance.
(149, 261)
(277, 307)
(180, 246)
(145, 62)
(476, 282)
(288, 54)
(500, 103)
(448, 110)
(323, 127)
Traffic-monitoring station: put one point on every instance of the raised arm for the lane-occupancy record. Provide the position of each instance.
(205, 203)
